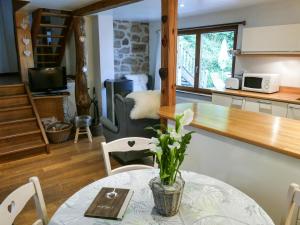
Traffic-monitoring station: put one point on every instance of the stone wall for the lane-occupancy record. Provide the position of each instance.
(131, 48)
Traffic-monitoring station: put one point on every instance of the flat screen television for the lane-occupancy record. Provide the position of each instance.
(47, 79)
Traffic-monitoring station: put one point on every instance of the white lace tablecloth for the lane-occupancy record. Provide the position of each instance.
(206, 201)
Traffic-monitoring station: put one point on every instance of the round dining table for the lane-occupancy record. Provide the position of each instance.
(205, 201)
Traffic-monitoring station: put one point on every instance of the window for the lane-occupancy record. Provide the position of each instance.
(204, 59)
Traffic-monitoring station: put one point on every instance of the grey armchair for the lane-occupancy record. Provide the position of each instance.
(126, 127)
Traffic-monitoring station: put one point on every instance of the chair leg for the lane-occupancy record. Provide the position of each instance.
(89, 133)
(76, 135)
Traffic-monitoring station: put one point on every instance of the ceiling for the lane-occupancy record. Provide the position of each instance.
(148, 10)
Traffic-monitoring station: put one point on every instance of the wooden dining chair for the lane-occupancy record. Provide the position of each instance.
(293, 205)
(14, 203)
(125, 145)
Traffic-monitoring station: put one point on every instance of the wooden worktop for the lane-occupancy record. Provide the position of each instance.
(286, 94)
(274, 133)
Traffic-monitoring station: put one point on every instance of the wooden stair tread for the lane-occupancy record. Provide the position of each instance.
(55, 14)
(48, 62)
(47, 46)
(15, 108)
(17, 121)
(50, 36)
(13, 96)
(47, 54)
(26, 146)
(20, 134)
(52, 25)
(12, 85)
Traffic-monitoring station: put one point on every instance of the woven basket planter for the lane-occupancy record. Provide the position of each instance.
(58, 132)
(167, 199)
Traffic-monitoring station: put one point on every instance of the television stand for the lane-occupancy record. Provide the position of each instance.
(52, 93)
(50, 104)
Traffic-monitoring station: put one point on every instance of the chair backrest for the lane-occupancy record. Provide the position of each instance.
(293, 205)
(125, 145)
(11, 207)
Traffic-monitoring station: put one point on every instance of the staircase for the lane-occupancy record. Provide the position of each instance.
(20, 128)
(49, 33)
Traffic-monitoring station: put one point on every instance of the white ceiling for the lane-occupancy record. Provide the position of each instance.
(151, 9)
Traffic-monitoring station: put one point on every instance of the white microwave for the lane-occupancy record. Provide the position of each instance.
(261, 82)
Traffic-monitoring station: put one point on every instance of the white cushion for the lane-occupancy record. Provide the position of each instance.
(139, 81)
(147, 104)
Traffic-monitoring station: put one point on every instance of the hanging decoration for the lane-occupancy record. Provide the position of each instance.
(24, 24)
(26, 42)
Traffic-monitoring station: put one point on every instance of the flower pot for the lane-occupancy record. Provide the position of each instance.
(167, 198)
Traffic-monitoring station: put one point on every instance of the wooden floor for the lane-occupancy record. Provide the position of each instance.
(67, 169)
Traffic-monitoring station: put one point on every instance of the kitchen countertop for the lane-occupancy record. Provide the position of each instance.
(289, 95)
(270, 132)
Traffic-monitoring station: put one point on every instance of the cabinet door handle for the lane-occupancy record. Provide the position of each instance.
(267, 103)
(294, 107)
(239, 99)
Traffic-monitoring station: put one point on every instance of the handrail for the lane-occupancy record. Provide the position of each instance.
(37, 117)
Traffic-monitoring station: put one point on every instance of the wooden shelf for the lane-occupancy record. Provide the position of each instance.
(53, 25)
(49, 62)
(55, 14)
(48, 46)
(49, 36)
(47, 54)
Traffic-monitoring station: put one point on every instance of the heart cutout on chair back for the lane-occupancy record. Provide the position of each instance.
(131, 143)
(11, 207)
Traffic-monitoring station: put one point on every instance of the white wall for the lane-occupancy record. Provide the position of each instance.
(92, 57)
(278, 13)
(8, 52)
(69, 60)
(106, 53)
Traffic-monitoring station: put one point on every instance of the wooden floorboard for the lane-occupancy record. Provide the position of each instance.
(64, 171)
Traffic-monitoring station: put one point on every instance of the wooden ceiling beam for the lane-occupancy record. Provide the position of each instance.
(102, 5)
(19, 4)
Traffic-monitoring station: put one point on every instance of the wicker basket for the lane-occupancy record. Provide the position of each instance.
(167, 199)
(58, 132)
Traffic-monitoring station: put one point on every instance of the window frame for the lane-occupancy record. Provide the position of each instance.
(202, 30)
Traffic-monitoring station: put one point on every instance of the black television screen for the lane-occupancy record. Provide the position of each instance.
(47, 79)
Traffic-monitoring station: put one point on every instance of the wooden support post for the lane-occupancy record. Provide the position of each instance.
(102, 5)
(168, 51)
(83, 100)
(23, 43)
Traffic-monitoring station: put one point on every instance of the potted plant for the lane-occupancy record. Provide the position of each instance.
(170, 149)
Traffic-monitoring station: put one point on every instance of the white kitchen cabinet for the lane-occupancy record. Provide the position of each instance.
(271, 39)
(220, 99)
(228, 100)
(251, 105)
(264, 106)
(274, 108)
(237, 102)
(279, 109)
(293, 112)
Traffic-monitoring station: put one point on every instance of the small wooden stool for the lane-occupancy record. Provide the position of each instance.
(83, 124)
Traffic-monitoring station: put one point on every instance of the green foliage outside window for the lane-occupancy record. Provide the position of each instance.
(215, 60)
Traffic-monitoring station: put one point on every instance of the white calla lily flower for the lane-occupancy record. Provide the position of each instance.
(188, 116)
(175, 145)
(154, 140)
(176, 136)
